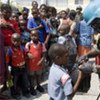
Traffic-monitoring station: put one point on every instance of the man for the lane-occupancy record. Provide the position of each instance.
(92, 17)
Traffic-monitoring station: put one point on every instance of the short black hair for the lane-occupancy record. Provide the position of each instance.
(5, 7)
(56, 50)
(72, 14)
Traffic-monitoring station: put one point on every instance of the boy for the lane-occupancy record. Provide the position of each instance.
(36, 51)
(25, 35)
(16, 58)
(7, 25)
(37, 23)
(59, 84)
(67, 40)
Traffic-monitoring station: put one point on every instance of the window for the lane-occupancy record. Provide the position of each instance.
(78, 1)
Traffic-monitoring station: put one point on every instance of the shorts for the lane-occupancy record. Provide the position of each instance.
(36, 73)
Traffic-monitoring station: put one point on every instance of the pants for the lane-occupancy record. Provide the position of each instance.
(20, 79)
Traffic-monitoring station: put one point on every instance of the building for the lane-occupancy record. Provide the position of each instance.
(64, 4)
(59, 4)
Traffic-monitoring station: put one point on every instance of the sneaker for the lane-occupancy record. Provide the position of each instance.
(33, 92)
(40, 88)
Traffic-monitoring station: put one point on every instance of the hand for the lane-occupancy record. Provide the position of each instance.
(40, 26)
(46, 44)
(30, 56)
(7, 25)
(39, 63)
(86, 68)
(82, 59)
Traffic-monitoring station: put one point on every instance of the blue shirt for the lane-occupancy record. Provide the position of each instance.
(25, 36)
(32, 23)
(85, 33)
(56, 89)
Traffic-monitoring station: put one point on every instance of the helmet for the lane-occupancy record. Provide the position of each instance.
(92, 11)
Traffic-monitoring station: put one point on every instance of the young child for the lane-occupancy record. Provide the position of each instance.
(36, 52)
(15, 57)
(53, 29)
(67, 40)
(36, 23)
(25, 35)
(7, 25)
(59, 83)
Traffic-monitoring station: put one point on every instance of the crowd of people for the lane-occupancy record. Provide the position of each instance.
(46, 36)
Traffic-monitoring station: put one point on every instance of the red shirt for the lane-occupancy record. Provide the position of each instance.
(16, 56)
(36, 51)
(7, 32)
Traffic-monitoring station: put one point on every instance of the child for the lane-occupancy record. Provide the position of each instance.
(16, 58)
(37, 23)
(25, 35)
(7, 25)
(36, 51)
(59, 84)
(53, 29)
(79, 15)
(67, 40)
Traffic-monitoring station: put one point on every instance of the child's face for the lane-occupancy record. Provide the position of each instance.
(63, 14)
(78, 10)
(35, 13)
(6, 13)
(34, 36)
(16, 41)
(43, 13)
(63, 58)
(22, 25)
(50, 12)
(54, 22)
(14, 16)
(34, 4)
(25, 14)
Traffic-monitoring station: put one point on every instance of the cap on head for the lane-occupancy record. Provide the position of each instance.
(92, 11)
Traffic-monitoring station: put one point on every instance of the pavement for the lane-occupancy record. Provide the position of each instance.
(90, 95)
